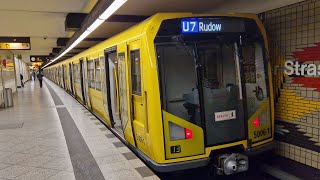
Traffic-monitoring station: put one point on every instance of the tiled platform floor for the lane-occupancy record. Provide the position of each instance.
(33, 142)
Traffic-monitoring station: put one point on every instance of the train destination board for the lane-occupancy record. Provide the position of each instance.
(211, 25)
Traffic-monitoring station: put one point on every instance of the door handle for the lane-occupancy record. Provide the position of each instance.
(132, 107)
(146, 111)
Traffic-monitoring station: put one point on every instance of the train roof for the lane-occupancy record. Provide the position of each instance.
(142, 28)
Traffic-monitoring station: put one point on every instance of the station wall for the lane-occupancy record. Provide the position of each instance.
(294, 34)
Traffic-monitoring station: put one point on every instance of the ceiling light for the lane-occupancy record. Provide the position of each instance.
(94, 25)
(112, 8)
(105, 15)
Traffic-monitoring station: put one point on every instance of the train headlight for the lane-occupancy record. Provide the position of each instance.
(179, 133)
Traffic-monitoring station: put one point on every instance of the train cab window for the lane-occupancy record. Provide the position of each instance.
(178, 78)
(180, 81)
(255, 74)
(135, 72)
(98, 74)
(91, 74)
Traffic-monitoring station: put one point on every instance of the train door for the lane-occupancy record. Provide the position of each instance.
(137, 95)
(117, 97)
(114, 89)
(63, 77)
(71, 78)
(86, 83)
(105, 87)
(82, 80)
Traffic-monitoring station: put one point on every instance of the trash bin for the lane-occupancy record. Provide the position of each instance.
(8, 97)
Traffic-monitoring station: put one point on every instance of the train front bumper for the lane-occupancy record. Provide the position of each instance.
(260, 149)
(179, 166)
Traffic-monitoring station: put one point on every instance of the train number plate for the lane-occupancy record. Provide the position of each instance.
(225, 115)
(261, 133)
(175, 149)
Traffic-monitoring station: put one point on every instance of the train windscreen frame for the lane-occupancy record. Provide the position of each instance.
(217, 105)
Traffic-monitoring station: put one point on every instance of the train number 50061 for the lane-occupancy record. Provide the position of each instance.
(262, 132)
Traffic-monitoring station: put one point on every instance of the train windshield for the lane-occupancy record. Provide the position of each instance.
(214, 80)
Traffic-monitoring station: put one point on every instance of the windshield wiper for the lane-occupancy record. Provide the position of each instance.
(181, 42)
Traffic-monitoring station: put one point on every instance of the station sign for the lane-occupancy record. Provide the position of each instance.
(39, 58)
(15, 43)
(211, 25)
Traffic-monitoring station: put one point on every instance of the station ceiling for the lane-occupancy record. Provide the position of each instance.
(44, 20)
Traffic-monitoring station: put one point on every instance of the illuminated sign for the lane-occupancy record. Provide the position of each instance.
(211, 25)
(15, 43)
(39, 58)
(15, 46)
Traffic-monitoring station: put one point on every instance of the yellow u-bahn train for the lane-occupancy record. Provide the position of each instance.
(183, 90)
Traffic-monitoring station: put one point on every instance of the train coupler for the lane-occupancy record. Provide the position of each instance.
(228, 164)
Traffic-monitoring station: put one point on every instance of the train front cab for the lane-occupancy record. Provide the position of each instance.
(216, 91)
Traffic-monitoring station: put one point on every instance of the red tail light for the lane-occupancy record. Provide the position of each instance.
(256, 122)
(188, 133)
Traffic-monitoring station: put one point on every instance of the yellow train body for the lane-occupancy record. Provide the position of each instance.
(147, 129)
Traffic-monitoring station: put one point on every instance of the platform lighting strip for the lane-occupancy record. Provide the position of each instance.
(104, 16)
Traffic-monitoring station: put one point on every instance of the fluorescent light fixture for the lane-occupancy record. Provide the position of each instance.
(104, 16)
(85, 34)
(95, 25)
(112, 8)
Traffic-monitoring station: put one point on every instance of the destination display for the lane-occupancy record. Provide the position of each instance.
(211, 25)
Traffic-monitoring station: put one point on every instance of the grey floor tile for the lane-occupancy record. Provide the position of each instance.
(63, 175)
(144, 171)
(154, 177)
(110, 159)
(56, 153)
(124, 149)
(122, 175)
(130, 155)
(101, 147)
(104, 152)
(38, 174)
(37, 150)
(4, 165)
(59, 164)
(136, 163)
(5, 153)
(103, 129)
(37, 161)
(6, 144)
(114, 139)
(20, 147)
(118, 144)
(116, 166)
(110, 136)
(14, 171)
(16, 158)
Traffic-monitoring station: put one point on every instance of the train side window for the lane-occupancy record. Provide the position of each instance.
(76, 73)
(98, 74)
(135, 71)
(91, 73)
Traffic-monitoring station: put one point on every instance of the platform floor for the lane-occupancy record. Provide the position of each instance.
(49, 135)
